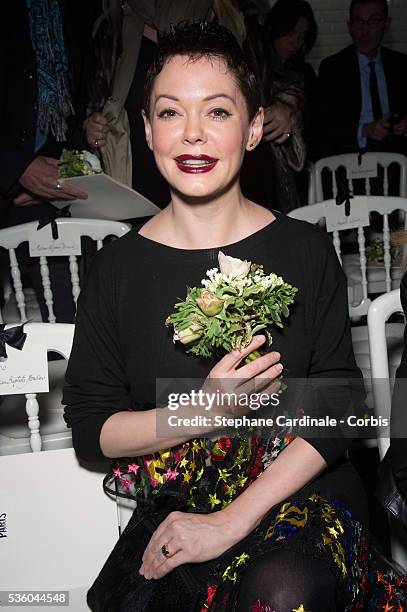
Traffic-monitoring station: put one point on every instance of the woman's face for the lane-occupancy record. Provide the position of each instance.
(290, 44)
(198, 127)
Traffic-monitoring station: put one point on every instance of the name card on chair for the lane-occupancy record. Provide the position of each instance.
(366, 167)
(24, 371)
(41, 242)
(336, 218)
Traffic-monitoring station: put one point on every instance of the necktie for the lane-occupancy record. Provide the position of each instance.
(374, 92)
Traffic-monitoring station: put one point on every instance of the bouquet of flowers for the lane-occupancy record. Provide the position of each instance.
(78, 163)
(236, 302)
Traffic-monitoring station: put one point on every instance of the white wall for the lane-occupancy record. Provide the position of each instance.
(332, 16)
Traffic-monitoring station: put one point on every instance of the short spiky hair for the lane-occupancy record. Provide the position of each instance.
(208, 40)
(384, 4)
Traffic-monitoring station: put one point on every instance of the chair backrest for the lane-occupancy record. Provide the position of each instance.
(352, 166)
(379, 312)
(27, 367)
(70, 231)
(317, 213)
(312, 195)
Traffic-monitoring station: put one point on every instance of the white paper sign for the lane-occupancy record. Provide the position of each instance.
(366, 169)
(107, 199)
(24, 371)
(337, 220)
(42, 243)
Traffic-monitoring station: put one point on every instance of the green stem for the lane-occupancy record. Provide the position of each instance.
(252, 356)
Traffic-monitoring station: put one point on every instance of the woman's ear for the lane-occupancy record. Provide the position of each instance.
(147, 128)
(255, 130)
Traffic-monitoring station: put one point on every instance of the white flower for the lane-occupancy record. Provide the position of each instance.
(233, 267)
(93, 161)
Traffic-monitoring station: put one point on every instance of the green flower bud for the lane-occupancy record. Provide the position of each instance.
(209, 303)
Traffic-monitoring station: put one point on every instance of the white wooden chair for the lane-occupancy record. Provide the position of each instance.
(59, 525)
(29, 422)
(357, 166)
(359, 300)
(383, 364)
(383, 368)
(20, 304)
(363, 278)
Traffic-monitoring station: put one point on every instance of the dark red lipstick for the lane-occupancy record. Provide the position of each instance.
(195, 164)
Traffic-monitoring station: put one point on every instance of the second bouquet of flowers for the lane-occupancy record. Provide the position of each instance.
(235, 302)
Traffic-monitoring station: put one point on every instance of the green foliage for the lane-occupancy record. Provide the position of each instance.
(251, 305)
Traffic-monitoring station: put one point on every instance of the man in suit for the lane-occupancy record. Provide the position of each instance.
(362, 92)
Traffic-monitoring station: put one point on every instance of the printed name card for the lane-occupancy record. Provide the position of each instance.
(23, 371)
(366, 167)
(336, 218)
(42, 243)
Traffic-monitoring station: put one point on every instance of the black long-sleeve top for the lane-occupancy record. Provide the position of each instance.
(121, 344)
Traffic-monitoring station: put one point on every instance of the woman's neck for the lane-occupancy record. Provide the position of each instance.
(202, 225)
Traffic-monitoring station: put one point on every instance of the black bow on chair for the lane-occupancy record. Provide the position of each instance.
(64, 212)
(14, 337)
(343, 196)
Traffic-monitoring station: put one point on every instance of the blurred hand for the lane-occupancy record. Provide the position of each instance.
(377, 130)
(96, 129)
(25, 199)
(41, 179)
(277, 125)
(401, 127)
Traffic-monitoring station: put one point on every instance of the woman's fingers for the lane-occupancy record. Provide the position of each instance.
(232, 360)
(261, 366)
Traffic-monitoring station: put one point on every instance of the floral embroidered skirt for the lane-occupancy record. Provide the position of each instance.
(313, 526)
(204, 476)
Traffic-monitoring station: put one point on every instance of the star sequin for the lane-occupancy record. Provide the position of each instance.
(133, 467)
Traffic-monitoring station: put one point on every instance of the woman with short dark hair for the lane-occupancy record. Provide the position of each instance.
(269, 520)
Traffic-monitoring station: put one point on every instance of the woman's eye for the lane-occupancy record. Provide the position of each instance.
(220, 113)
(167, 113)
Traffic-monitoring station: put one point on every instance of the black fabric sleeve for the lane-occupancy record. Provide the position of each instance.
(335, 380)
(96, 385)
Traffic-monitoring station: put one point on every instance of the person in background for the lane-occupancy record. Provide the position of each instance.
(125, 41)
(41, 94)
(292, 30)
(289, 86)
(362, 93)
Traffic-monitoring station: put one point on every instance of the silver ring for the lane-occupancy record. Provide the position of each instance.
(58, 186)
(96, 143)
(288, 134)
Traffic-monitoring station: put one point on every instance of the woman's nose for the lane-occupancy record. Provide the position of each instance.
(194, 130)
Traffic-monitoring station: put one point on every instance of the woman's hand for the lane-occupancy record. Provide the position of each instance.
(226, 377)
(277, 125)
(96, 128)
(188, 538)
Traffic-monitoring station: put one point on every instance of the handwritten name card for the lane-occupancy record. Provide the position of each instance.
(41, 242)
(336, 218)
(24, 371)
